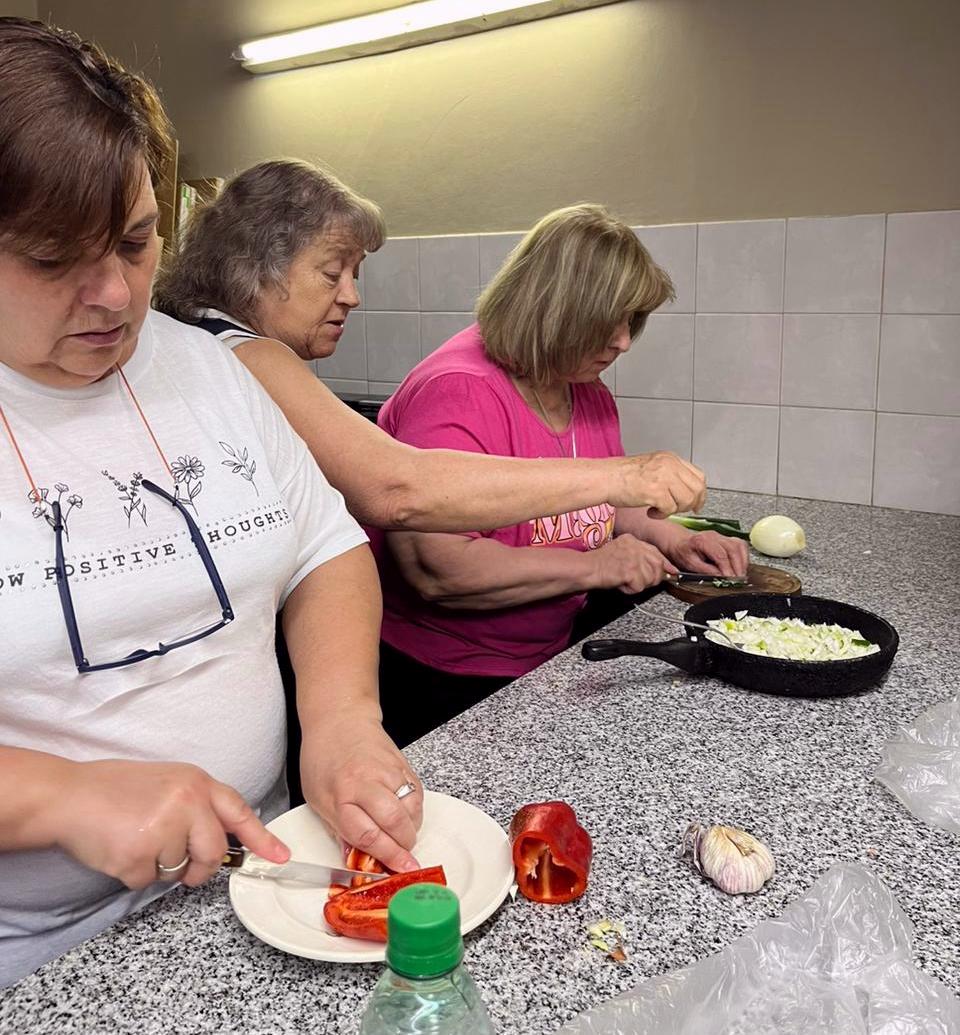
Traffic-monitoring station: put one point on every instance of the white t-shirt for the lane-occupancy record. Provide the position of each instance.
(269, 518)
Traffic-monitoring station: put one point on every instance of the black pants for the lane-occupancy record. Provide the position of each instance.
(416, 698)
(603, 606)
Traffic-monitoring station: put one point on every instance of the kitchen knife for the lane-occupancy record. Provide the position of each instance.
(251, 865)
(700, 576)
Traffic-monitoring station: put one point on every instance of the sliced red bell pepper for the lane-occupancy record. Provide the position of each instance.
(551, 852)
(362, 912)
(357, 860)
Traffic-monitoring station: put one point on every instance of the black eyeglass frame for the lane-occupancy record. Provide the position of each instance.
(70, 616)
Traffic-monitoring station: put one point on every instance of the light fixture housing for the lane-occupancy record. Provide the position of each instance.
(411, 25)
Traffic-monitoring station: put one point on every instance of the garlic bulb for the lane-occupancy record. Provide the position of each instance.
(777, 536)
(734, 860)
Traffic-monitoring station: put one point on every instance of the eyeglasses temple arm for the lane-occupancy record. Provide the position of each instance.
(63, 588)
(197, 536)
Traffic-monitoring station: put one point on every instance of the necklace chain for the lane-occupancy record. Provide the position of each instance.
(549, 423)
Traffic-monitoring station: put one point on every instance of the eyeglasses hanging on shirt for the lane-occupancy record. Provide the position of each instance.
(60, 567)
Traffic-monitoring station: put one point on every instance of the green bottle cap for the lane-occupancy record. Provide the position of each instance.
(423, 931)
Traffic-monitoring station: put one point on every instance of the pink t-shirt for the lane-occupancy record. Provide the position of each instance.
(457, 398)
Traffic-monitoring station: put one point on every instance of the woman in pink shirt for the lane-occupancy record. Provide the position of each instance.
(465, 614)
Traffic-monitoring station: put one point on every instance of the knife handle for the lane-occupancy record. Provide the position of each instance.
(233, 857)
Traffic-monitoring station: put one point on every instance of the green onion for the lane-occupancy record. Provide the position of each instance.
(696, 524)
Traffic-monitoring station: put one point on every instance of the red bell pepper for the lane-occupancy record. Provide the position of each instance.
(551, 852)
(357, 860)
(362, 912)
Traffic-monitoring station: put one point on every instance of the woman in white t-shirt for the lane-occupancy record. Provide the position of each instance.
(155, 511)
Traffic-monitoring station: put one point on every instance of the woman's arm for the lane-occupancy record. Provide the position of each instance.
(122, 817)
(709, 552)
(31, 781)
(391, 485)
(480, 574)
(350, 768)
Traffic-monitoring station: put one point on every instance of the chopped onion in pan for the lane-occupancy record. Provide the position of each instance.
(791, 639)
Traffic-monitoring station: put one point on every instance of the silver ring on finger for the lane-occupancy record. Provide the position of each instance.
(169, 872)
(404, 789)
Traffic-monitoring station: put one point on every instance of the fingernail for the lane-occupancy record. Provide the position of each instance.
(409, 865)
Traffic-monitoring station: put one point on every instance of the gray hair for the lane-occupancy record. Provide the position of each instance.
(246, 239)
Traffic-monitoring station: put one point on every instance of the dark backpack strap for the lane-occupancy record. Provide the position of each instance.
(215, 325)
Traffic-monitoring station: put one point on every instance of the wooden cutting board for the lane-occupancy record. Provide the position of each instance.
(760, 579)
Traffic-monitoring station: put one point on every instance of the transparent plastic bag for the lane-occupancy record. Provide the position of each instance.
(921, 766)
(837, 962)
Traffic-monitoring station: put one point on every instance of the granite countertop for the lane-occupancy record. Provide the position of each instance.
(640, 749)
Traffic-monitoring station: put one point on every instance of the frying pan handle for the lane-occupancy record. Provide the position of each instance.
(681, 652)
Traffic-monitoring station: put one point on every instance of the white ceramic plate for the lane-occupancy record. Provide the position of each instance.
(472, 849)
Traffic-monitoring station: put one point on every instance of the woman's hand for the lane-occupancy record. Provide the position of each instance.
(711, 553)
(629, 564)
(662, 482)
(126, 818)
(350, 775)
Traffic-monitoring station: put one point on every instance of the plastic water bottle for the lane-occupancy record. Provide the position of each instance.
(425, 987)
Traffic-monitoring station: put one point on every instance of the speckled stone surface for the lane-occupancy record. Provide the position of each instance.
(640, 750)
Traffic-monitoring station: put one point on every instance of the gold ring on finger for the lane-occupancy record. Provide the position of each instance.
(167, 872)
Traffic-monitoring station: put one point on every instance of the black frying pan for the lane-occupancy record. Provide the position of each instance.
(700, 656)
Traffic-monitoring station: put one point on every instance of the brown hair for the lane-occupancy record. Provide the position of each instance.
(564, 289)
(246, 239)
(74, 128)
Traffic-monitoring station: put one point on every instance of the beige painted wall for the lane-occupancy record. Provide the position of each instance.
(667, 110)
(18, 8)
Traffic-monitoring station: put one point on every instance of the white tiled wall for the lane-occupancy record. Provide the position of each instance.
(810, 357)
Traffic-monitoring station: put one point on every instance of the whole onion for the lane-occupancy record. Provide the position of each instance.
(777, 536)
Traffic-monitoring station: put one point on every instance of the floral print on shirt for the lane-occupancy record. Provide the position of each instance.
(187, 474)
(43, 505)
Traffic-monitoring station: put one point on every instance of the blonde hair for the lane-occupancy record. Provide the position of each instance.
(246, 239)
(564, 289)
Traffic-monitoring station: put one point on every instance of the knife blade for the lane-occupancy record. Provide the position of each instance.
(250, 865)
(700, 576)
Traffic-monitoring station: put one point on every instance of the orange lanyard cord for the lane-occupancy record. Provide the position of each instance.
(146, 424)
(16, 449)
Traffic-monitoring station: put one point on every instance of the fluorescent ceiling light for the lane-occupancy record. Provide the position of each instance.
(411, 25)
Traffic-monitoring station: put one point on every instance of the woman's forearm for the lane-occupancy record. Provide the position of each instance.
(349, 767)
(331, 623)
(31, 782)
(392, 485)
(449, 490)
(483, 574)
(664, 535)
